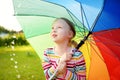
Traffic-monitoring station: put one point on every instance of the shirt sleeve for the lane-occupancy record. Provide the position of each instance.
(79, 69)
(49, 68)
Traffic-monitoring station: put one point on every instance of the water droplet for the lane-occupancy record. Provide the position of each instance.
(13, 54)
(16, 62)
(18, 76)
(16, 66)
(11, 59)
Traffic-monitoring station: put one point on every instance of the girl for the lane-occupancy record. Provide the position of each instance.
(63, 62)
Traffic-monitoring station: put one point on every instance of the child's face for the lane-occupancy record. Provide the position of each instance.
(61, 31)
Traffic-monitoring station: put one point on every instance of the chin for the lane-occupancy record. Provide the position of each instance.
(54, 40)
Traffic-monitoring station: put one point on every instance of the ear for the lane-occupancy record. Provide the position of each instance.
(70, 34)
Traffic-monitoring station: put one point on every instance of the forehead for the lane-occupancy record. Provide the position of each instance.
(60, 22)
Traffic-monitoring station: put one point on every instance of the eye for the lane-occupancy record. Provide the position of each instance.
(52, 27)
(59, 27)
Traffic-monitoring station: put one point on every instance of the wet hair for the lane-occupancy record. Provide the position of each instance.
(72, 28)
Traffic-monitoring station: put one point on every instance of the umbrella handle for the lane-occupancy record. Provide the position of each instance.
(82, 41)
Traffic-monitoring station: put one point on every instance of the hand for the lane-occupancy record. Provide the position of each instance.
(61, 68)
(66, 57)
(62, 63)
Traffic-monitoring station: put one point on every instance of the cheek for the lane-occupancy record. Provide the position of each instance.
(51, 34)
(65, 34)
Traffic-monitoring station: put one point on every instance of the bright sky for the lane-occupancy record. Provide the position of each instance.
(6, 16)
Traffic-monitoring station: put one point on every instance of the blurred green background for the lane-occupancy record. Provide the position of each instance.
(18, 60)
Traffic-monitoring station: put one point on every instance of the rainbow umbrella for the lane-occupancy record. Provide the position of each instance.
(97, 24)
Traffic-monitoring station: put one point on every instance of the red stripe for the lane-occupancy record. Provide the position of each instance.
(54, 63)
(46, 66)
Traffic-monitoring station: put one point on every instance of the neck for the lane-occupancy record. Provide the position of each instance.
(61, 48)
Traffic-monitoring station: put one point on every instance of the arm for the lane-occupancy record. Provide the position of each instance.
(80, 69)
(49, 68)
(59, 69)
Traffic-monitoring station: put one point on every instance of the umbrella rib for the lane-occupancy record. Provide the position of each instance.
(112, 53)
(96, 51)
(93, 25)
(66, 10)
(82, 19)
(53, 16)
(93, 48)
(104, 31)
(111, 41)
(33, 15)
(74, 21)
(88, 48)
(88, 53)
(63, 7)
(83, 12)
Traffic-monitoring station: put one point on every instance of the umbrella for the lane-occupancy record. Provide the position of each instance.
(97, 24)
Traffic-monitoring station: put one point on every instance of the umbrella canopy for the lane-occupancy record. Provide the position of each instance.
(99, 17)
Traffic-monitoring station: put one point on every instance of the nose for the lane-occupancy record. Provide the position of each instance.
(54, 30)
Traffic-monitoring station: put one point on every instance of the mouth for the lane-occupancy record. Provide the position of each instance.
(54, 35)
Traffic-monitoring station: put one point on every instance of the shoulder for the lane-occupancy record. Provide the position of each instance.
(78, 57)
(77, 53)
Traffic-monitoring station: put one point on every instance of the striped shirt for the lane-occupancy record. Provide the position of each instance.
(76, 69)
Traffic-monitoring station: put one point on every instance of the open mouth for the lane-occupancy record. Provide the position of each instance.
(54, 35)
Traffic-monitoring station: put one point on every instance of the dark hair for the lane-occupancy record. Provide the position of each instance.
(72, 28)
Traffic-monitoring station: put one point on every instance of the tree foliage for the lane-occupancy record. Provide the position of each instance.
(3, 30)
(12, 38)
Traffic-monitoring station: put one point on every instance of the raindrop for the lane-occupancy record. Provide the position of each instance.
(11, 59)
(16, 66)
(18, 76)
(16, 62)
(13, 54)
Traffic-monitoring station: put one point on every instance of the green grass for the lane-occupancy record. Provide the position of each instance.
(20, 63)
